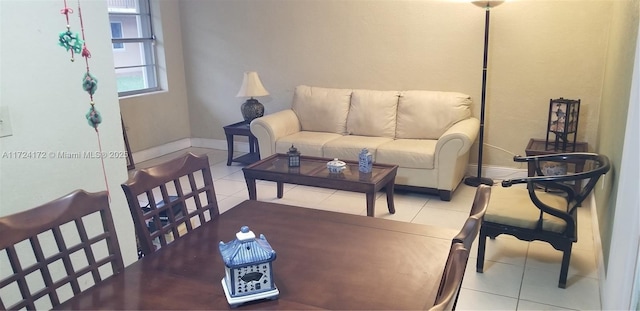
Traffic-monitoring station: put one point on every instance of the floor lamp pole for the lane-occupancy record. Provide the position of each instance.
(479, 180)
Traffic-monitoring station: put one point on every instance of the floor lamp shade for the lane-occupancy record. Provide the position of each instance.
(251, 87)
(478, 179)
(488, 3)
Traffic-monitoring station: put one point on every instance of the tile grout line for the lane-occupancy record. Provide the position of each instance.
(524, 269)
(418, 213)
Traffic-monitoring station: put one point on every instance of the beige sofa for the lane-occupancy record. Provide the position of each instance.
(427, 134)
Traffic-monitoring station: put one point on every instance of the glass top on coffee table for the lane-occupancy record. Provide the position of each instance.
(313, 172)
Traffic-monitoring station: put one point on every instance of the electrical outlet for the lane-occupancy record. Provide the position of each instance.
(5, 122)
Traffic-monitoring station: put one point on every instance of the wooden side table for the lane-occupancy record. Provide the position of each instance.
(241, 129)
(539, 147)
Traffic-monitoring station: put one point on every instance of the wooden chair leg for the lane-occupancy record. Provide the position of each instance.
(482, 240)
(564, 269)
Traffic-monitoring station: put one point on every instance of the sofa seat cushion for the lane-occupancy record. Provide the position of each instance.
(348, 147)
(307, 143)
(428, 114)
(373, 113)
(409, 153)
(322, 109)
(512, 206)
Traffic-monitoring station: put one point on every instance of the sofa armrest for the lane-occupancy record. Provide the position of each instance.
(452, 152)
(268, 129)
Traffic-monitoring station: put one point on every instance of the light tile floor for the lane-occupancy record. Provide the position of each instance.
(517, 275)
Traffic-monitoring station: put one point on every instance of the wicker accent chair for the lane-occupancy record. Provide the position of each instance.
(170, 199)
(545, 210)
(56, 251)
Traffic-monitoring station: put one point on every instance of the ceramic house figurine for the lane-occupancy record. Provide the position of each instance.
(365, 161)
(248, 266)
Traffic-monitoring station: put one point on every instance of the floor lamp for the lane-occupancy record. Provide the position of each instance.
(478, 180)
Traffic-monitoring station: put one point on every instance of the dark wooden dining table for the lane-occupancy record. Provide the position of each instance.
(325, 260)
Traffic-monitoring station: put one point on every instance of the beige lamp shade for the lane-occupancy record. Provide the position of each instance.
(251, 86)
(488, 3)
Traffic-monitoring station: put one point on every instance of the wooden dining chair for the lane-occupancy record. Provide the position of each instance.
(546, 209)
(471, 227)
(480, 201)
(55, 251)
(170, 199)
(447, 295)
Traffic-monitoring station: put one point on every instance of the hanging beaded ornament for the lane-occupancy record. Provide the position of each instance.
(76, 45)
(67, 39)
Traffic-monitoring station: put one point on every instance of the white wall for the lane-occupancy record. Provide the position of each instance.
(162, 117)
(538, 50)
(619, 291)
(42, 90)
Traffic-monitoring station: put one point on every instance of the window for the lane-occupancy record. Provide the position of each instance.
(133, 39)
(116, 32)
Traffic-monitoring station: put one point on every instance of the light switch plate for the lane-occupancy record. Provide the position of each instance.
(5, 122)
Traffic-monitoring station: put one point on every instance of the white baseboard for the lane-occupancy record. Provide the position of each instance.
(184, 143)
(597, 246)
(219, 144)
(493, 172)
(496, 172)
(161, 150)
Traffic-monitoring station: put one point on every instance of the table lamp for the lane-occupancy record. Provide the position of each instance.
(251, 87)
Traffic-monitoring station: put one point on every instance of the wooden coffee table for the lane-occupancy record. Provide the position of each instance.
(313, 172)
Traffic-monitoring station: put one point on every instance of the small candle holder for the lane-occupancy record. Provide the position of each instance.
(294, 157)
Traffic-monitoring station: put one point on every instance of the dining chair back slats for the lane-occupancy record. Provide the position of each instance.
(170, 199)
(53, 255)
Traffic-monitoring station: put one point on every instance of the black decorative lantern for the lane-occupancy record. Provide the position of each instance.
(563, 123)
(294, 157)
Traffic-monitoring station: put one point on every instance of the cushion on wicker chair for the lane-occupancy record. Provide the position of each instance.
(512, 206)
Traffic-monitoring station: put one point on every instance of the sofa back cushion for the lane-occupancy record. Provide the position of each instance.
(322, 109)
(373, 113)
(428, 114)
